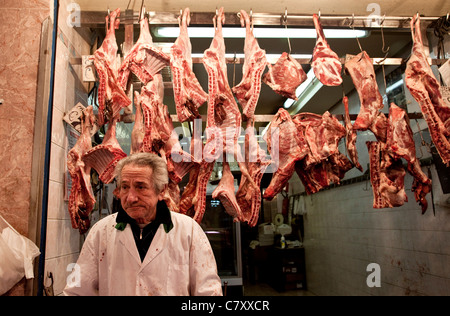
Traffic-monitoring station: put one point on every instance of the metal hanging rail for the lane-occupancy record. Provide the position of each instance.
(97, 19)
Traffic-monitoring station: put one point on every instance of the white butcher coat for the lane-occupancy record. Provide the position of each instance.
(180, 262)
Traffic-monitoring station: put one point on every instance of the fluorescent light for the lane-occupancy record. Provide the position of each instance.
(304, 92)
(394, 85)
(239, 32)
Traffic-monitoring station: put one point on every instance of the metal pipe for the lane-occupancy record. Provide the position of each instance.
(43, 237)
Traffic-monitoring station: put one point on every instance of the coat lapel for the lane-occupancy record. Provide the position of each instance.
(158, 245)
(127, 240)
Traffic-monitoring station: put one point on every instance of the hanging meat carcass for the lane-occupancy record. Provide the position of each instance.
(285, 76)
(104, 157)
(323, 164)
(81, 199)
(248, 90)
(111, 96)
(425, 89)
(326, 64)
(386, 167)
(144, 59)
(286, 147)
(363, 75)
(248, 196)
(188, 93)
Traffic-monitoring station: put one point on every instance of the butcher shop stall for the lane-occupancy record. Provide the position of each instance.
(310, 142)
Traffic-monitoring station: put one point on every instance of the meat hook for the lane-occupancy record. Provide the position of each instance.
(353, 28)
(287, 33)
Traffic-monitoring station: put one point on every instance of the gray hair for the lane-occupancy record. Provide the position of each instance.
(158, 165)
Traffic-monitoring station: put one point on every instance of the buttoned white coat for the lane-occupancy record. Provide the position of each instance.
(178, 262)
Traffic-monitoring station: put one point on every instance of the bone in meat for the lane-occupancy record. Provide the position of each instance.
(188, 93)
(248, 90)
(111, 97)
(144, 59)
(81, 199)
(326, 64)
(285, 76)
(104, 157)
(424, 88)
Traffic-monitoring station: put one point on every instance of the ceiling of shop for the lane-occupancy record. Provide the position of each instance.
(399, 42)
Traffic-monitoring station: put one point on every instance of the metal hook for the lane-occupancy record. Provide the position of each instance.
(287, 33)
(351, 26)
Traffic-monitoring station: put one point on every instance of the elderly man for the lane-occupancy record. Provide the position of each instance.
(145, 249)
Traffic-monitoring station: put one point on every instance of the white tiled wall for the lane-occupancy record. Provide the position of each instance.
(63, 242)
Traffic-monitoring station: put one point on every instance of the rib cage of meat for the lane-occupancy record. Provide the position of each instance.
(285, 76)
(248, 90)
(424, 88)
(326, 64)
(188, 93)
(111, 97)
(104, 157)
(81, 199)
(362, 73)
(144, 59)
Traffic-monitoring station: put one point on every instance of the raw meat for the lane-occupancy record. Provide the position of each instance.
(361, 70)
(81, 199)
(386, 168)
(104, 157)
(111, 97)
(248, 90)
(350, 137)
(387, 177)
(138, 132)
(188, 92)
(285, 76)
(400, 143)
(424, 88)
(225, 193)
(326, 64)
(223, 123)
(323, 163)
(144, 59)
(286, 148)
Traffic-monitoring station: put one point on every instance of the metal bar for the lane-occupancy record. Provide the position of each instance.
(97, 19)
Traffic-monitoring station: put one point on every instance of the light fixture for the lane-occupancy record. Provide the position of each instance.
(259, 32)
(304, 93)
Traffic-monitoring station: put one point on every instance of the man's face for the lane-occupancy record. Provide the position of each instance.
(137, 194)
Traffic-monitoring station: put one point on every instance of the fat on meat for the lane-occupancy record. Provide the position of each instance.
(111, 97)
(285, 76)
(425, 89)
(144, 59)
(363, 76)
(188, 93)
(81, 198)
(248, 90)
(326, 64)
